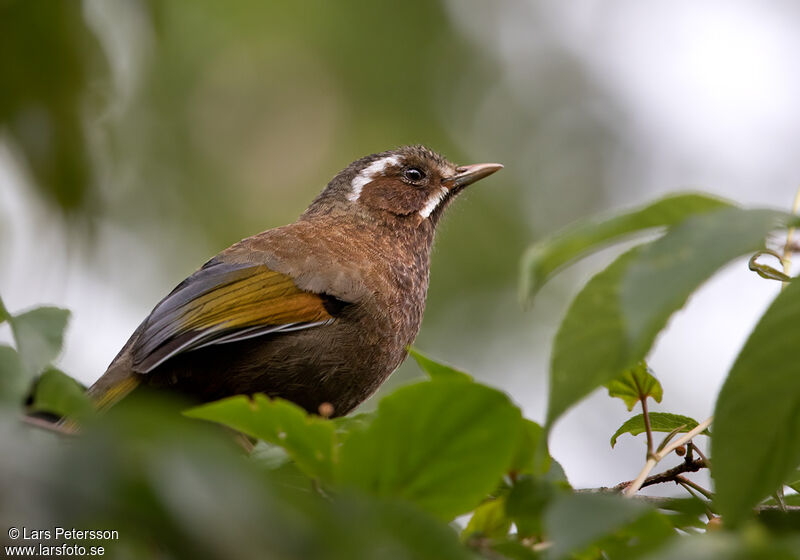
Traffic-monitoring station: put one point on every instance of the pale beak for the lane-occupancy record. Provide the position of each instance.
(468, 174)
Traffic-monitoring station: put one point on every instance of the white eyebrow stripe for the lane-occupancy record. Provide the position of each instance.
(433, 201)
(369, 173)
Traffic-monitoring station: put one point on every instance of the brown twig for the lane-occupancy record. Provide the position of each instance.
(694, 486)
(693, 447)
(646, 417)
(666, 476)
(695, 495)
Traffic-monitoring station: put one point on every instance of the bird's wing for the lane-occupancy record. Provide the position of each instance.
(224, 302)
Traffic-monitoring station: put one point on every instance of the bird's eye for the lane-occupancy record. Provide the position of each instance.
(413, 174)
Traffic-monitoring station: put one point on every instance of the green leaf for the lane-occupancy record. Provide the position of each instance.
(270, 456)
(345, 425)
(309, 440)
(488, 521)
(634, 385)
(14, 379)
(39, 334)
(755, 543)
(589, 346)
(575, 521)
(550, 254)
(769, 273)
(612, 323)
(531, 454)
(646, 534)
(282, 469)
(442, 444)
(372, 529)
(512, 549)
(765, 271)
(756, 443)
(557, 475)
(526, 502)
(666, 272)
(659, 422)
(436, 369)
(58, 393)
(782, 522)
(4, 316)
(683, 513)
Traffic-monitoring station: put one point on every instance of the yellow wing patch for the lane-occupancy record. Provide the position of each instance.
(223, 303)
(263, 298)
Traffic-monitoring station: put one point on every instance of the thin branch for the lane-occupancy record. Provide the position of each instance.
(654, 459)
(693, 493)
(698, 493)
(647, 427)
(696, 449)
(666, 476)
(700, 428)
(685, 481)
(646, 415)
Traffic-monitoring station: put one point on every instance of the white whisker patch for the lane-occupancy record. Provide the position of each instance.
(369, 173)
(433, 201)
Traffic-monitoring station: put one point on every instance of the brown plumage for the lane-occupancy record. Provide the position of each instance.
(318, 311)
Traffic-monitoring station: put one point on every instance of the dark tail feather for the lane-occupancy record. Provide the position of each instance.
(119, 379)
(115, 384)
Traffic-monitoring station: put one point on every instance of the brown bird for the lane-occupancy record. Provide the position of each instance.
(318, 311)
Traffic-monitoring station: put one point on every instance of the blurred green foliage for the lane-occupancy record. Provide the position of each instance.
(48, 59)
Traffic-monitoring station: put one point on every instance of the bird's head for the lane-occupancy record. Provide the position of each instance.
(411, 181)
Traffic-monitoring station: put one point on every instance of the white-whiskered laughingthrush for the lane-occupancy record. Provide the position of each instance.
(318, 311)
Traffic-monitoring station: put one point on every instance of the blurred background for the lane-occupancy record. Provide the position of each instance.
(139, 137)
